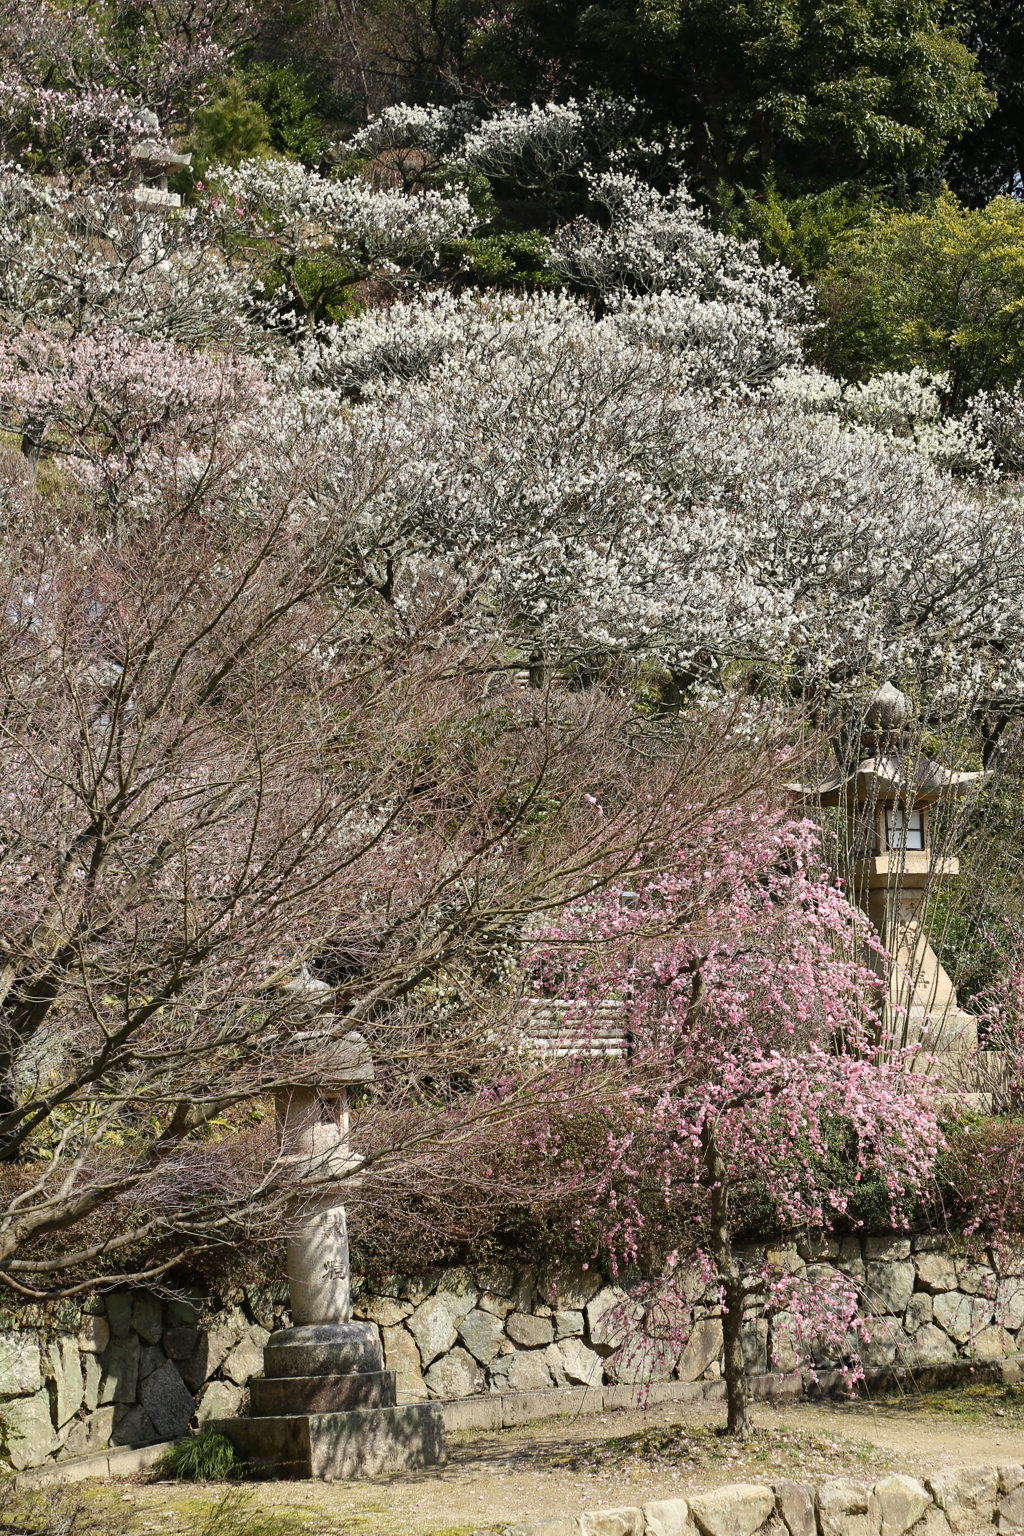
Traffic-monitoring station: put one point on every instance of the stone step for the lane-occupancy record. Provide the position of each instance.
(323, 1349)
(365, 1442)
(282, 1395)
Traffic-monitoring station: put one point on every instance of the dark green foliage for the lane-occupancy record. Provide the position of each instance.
(817, 94)
(989, 159)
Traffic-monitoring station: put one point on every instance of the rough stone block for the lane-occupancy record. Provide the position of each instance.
(151, 1358)
(20, 1363)
(643, 1360)
(1009, 1308)
(735, 1510)
(935, 1272)
(92, 1373)
(667, 1517)
(901, 1503)
(703, 1348)
(367, 1442)
(93, 1335)
(455, 1374)
(179, 1343)
(30, 1437)
(919, 1311)
(91, 1434)
(976, 1279)
(1010, 1511)
(1011, 1476)
(846, 1508)
(531, 1332)
(931, 1347)
(182, 1313)
(568, 1325)
(851, 1259)
(402, 1357)
(992, 1344)
(147, 1319)
(65, 1364)
(886, 1338)
(220, 1400)
(966, 1496)
(527, 1371)
(627, 1520)
(119, 1313)
(246, 1359)
(580, 1364)
(569, 1286)
(795, 1505)
(890, 1249)
(385, 1311)
(220, 1338)
(481, 1333)
(817, 1246)
(962, 1316)
(497, 1306)
(432, 1327)
(133, 1426)
(610, 1316)
(888, 1285)
(120, 1370)
(168, 1402)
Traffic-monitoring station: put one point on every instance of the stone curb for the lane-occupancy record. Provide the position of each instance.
(953, 1502)
(119, 1461)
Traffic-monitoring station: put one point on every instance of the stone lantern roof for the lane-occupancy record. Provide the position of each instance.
(323, 1051)
(890, 772)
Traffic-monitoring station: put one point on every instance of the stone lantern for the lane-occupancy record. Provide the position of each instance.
(889, 796)
(325, 1406)
(151, 162)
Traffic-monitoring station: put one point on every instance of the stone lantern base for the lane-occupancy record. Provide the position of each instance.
(325, 1407)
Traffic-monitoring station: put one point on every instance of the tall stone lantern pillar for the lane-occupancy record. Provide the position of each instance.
(325, 1406)
(889, 797)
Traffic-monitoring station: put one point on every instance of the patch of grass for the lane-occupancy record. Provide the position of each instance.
(203, 1458)
(983, 1401)
(690, 1449)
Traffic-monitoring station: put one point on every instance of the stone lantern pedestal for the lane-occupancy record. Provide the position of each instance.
(325, 1406)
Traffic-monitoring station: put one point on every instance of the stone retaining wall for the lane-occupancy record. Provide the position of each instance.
(130, 1369)
(956, 1502)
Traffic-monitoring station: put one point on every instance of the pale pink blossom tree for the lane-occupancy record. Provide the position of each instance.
(756, 1056)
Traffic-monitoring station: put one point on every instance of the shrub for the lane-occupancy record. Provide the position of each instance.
(204, 1458)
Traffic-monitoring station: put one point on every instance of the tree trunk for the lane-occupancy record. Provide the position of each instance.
(732, 1285)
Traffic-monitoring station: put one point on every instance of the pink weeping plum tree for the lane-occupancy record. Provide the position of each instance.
(757, 1053)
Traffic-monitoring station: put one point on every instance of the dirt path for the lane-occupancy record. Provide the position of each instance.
(564, 1466)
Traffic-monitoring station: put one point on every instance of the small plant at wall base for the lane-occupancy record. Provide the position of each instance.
(203, 1458)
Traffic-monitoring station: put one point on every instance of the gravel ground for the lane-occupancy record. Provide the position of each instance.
(563, 1466)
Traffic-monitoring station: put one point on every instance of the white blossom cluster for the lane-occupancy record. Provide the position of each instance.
(86, 257)
(561, 477)
(306, 213)
(906, 408)
(660, 242)
(715, 344)
(440, 131)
